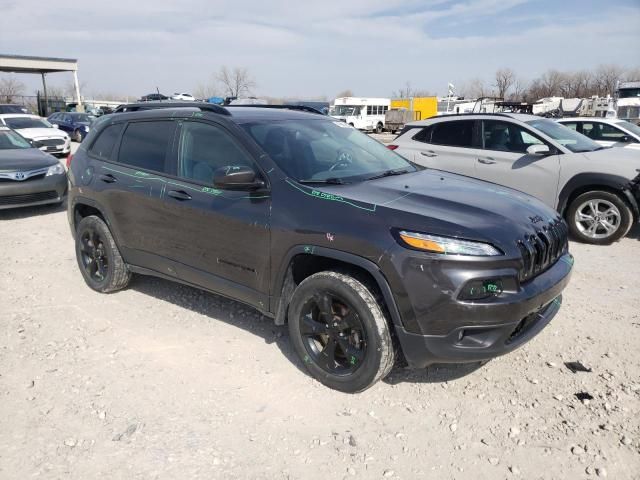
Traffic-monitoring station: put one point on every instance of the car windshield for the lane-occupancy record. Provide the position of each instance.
(325, 151)
(26, 122)
(344, 110)
(630, 127)
(574, 141)
(11, 140)
(83, 118)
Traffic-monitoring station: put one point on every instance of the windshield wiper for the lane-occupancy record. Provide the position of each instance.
(389, 173)
(326, 181)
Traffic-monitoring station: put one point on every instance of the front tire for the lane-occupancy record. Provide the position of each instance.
(599, 218)
(99, 259)
(340, 332)
(379, 128)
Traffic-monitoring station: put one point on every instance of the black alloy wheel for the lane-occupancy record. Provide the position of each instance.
(93, 255)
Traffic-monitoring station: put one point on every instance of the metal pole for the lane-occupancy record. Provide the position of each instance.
(79, 107)
(45, 110)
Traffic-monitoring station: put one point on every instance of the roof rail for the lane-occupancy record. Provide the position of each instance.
(466, 114)
(153, 105)
(302, 108)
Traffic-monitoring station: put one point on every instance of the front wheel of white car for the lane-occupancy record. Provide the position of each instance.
(599, 217)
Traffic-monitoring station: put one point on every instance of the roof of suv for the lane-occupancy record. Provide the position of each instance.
(523, 117)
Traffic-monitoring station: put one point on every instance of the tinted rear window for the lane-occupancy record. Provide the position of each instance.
(457, 133)
(106, 141)
(145, 145)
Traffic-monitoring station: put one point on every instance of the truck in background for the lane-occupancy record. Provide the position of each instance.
(363, 113)
(405, 110)
(628, 101)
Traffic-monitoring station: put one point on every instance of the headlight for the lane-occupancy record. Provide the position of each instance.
(56, 169)
(447, 246)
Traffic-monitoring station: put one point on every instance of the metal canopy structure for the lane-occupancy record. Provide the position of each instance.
(42, 66)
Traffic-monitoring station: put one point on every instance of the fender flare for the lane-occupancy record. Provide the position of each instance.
(284, 284)
(81, 200)
(614, 182)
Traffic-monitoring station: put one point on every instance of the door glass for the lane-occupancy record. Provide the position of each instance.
(609, 133)
(204, 148)
(571, 125)
(454, 133)
(145, 145)
(103, 146)
(507, 137)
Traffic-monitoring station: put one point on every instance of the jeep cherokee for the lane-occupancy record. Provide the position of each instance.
(369, 258)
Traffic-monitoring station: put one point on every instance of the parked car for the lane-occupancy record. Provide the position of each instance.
(77, 125)
(593, 188)
(608, 132)
(153, 97)
(315, 224)
(13, 108)
(183, 96)
(39, 131)
(28, 176)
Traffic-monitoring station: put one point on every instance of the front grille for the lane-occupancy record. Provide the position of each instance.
(49, 142)
(541, 250)
(28, 198)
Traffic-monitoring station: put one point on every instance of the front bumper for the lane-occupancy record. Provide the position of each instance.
(34, 191)
(484, 330)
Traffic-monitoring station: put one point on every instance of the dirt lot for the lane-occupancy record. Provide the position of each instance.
(165, 381)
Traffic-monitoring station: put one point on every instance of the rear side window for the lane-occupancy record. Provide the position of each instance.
(423, 135)
(103, 145)
(571, 125)
(455, 134)
(146, 145)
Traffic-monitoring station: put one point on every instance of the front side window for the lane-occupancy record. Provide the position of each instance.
(574, 141)
(458, 133)
(103, 146)
(146, 145)
(635, 129)
(11, 140)
(603, 132)
(507, 137)
(571, 125)
(204, 148)
(323, 150)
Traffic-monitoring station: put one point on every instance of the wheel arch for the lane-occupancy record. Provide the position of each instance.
(303, 261)
(588, 182)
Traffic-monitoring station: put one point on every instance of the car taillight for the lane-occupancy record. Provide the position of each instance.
(69, 158)
(392, 147)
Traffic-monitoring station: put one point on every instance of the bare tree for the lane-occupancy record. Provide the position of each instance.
(474, 89)
(10, 87)
(345, 93)
(236, 81)
(632, 75)
(404, 92)
(505, 78)
(207, 90)
(518, 91)
(607, 78)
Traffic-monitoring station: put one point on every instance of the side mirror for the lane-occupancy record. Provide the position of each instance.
(236, 178)
(538, 150)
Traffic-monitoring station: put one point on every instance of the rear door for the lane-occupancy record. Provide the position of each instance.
(504, 160)
(447, 146)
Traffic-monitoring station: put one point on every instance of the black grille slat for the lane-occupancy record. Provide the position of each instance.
(50, 142)
(541, 250)
(28, 198)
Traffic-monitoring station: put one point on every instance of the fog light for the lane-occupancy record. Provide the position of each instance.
(481, 289)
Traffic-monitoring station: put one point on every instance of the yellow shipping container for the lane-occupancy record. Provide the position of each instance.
(422, 107)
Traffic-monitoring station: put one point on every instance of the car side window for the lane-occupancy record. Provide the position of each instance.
(507, 137)
(204, 148)
(423, 135)
(146, 145)
(103, 146)
(606, 132)
(457, 133)
(571, 125)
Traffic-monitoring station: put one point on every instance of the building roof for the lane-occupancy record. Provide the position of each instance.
(26, 64)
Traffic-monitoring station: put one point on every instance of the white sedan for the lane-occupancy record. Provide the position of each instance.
(183, 96)
(39, 131)
(608, 132)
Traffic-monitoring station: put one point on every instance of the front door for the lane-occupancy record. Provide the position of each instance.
(504, 160)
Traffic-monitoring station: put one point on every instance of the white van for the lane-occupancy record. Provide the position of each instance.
(360, 112)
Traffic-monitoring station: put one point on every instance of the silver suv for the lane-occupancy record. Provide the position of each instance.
(596, 189)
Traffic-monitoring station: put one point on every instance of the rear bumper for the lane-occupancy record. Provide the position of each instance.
(38, 191)
(488, 330)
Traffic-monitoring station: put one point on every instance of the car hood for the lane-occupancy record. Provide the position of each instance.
(432, 201)
(33, 133)
(617, 161)
(23, 159)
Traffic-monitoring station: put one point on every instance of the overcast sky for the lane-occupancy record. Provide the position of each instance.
(302, 48)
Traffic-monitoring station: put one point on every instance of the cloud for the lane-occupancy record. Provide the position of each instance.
(315, 48)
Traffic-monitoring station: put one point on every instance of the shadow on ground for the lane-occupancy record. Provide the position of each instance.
(239, 315)
(26, 212)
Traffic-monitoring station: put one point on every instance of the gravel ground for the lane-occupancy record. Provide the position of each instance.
(162, 381)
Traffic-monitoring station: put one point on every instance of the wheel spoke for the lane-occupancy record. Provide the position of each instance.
(594, 207)
(323, 300)
(327, 357)
(353, 355)
(310, 327)
(348, 321)
(612, 212)
(610, 228)
(582, 217)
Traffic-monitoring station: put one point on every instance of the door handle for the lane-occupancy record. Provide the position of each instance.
(108, 178)
(429, 154)
(487, 161)
(179, 195)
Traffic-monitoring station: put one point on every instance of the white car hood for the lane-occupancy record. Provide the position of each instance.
(616, 161)
(33, 133)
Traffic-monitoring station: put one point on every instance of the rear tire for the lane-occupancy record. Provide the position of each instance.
(77, 136)
(599, 218)
(99, 259)
(340, 332)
